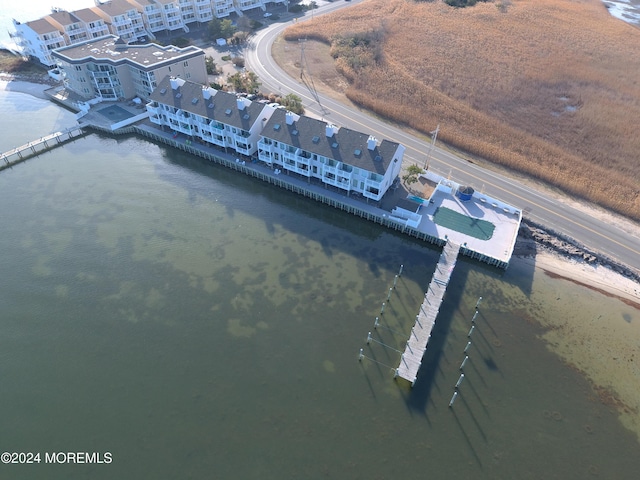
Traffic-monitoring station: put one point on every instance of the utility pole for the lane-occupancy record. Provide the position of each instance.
(434, 135)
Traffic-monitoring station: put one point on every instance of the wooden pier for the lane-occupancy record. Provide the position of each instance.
(31, 149)
(411, 359)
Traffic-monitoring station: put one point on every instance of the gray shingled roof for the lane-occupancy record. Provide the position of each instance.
(42, 26)
(222, 106)
(347, 146)
(64, 18)
(87, 15)
(114, 8)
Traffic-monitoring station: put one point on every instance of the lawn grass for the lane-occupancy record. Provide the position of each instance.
(549, 88)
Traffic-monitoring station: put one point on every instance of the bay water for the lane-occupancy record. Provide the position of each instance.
(195, 323)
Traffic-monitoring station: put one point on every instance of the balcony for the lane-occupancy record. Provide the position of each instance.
(101, 27)
(119, 22)
(53, 40)
(171, 9)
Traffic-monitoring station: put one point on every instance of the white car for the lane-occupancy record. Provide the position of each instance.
(266, 14)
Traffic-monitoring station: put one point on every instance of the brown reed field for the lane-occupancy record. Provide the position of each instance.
(548, 88)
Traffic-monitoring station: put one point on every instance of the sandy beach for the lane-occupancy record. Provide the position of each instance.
(596, 277)
(12, 84)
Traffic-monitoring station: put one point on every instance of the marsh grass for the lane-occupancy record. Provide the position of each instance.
(550, 88)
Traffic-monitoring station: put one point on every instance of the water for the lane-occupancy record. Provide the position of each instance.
(198, 324)
(31, 10)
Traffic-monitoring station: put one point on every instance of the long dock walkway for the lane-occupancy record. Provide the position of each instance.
(31, 149)
(411, 359)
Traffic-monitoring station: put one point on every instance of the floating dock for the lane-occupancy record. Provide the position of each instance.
(411, 359)
(31, 149)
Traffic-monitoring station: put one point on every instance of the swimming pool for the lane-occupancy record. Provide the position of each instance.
(419, 200)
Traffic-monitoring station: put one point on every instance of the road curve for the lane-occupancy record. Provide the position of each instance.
(593, 232)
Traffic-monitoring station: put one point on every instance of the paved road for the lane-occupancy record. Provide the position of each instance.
(560, 216)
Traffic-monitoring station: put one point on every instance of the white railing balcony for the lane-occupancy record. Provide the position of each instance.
(98, 28)
(53, 39)
(78, 36)
(204, 16)
(328, 169)
(121, 22)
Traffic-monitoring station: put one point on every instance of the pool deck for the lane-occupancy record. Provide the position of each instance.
(505, 218)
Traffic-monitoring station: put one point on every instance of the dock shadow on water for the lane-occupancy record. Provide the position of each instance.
(194, 322)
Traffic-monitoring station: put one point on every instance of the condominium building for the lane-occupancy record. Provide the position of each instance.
(38, 38)
(171, 15)
(131, 20)
(151, 15)
(352, 161)
(107, 68)
(346, 159)
(215, 117)
(123, 18)
(93, 23)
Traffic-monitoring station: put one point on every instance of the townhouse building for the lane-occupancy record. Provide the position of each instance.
(123, 19)
(94, 24)
(152, 16)
(215, 117)
(108, 68)
(131, 20)
(352, 161)
(38, 38)
(73, 29)
(343, 158)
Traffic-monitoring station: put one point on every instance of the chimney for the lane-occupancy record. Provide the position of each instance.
(330, 130)
(240, 103)
(208, 92)
(176, 82)
(371, 142)
(289, 118)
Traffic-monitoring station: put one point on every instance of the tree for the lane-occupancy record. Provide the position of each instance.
(227, 29)
(244, 82)
(217, 28)
(214, 29)
(212, 69)
(293, 103)
(413, 171)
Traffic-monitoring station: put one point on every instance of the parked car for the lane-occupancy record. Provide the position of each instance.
(266, 14)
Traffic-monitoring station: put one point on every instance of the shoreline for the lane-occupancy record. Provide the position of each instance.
(552, 252)
(29, 86)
